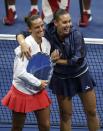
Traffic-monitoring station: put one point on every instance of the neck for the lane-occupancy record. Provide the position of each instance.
(61, 37)
(38, 40)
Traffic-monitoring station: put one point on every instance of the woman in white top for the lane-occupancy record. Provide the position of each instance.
(20, 98)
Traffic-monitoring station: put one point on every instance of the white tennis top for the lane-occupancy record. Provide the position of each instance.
(22, 80)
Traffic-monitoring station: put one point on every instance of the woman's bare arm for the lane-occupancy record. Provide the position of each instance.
(26, 51)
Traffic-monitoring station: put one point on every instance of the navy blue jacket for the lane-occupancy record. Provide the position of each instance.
(72, 48)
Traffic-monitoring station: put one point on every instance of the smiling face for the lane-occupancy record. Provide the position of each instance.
(63, 25)
(37, 28)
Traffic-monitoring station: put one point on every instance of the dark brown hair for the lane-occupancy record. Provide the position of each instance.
(58, 13)
(29, 19)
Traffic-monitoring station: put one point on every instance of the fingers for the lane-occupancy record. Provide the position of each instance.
(22, 56)
(56, 51)
(26, 53)
(43, 84)
(55, 55)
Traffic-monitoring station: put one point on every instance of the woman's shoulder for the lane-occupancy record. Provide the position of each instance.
(29, 40)
(45, 40)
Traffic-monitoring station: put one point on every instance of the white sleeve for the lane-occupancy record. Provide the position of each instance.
(48, 47)
(21, 73)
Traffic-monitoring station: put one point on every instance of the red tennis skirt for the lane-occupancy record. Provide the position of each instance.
(21, 102)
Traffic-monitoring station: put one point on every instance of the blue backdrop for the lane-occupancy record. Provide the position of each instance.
(94, 30)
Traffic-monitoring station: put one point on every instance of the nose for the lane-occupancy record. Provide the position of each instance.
(41, 28)
(70, 24)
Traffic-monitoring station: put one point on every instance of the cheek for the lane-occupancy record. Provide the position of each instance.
(34, 30)
(60, 26)
(37, 32)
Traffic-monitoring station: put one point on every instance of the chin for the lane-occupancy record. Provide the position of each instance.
(41, 35)
(66, 33)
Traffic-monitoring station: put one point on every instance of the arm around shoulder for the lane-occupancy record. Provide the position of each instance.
(25, 50)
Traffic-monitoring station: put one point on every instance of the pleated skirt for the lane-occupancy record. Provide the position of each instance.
(21, 102)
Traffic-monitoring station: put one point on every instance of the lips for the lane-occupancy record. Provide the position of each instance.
(67, 30)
